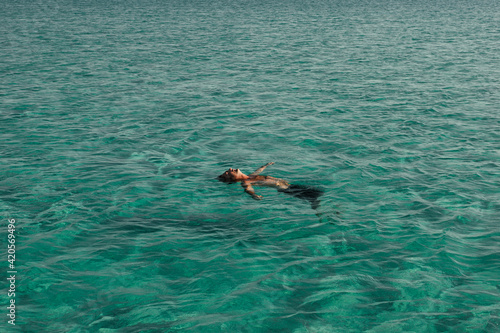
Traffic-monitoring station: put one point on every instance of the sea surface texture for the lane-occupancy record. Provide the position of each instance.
(117, 116)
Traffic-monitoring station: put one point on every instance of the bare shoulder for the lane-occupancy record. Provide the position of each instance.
(247, 182)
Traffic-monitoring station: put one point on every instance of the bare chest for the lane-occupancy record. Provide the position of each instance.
(268, 181)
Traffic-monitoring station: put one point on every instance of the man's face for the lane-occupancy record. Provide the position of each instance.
(230, 175)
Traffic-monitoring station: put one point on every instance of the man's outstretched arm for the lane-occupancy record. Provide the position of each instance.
(259, 170)
(249, 189)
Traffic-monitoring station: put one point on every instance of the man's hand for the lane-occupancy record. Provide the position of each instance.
(249, 189)
(259, 170)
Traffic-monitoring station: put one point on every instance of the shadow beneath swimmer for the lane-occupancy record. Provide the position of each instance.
(304, 192)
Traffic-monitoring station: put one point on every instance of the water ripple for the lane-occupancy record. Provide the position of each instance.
(117, 117)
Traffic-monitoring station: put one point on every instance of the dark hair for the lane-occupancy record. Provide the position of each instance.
(222, 179)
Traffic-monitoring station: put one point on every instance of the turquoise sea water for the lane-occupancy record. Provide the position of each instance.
(115, 118)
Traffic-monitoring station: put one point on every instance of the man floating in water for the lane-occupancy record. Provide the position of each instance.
(254, 179)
